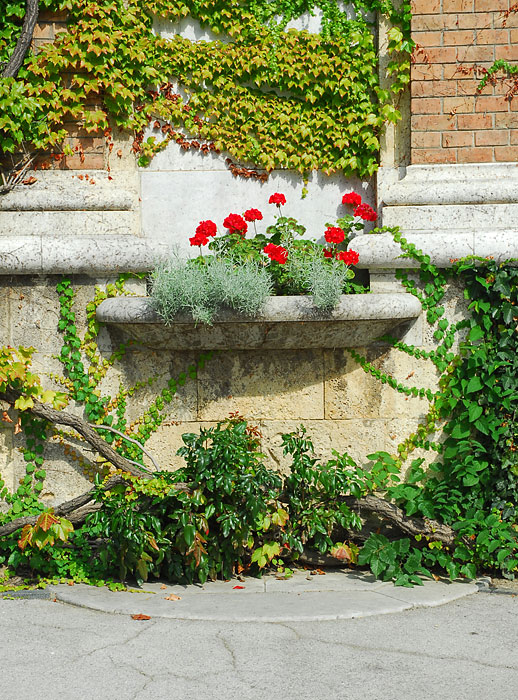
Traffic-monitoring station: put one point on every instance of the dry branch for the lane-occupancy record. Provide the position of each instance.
(42, 410)
(431, 529)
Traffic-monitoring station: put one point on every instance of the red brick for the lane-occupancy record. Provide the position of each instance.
(491, 104)
(440, 55)
(439, 155)
(474, 121)
(48, 16)
(507, 53)
(423, 23)
(493, 36)
(506, 154)
(514, 137)
(470, 54)
(426, 139)
(90, 162)
(425, 72)
(458, 105)
(457, 5)
(426, 7)
(428, 38)
(491, 5)
(43, 31)
(513, 36)
(470, 87)
(434, 88)
(475, 155)
(506, 121)
(432, 122)
(475, 20)
(463, 72)
(454, 139)
(493, 137)
(463, 37)
(426, 106)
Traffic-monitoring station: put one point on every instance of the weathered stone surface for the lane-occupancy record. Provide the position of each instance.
(283, 322)
(271, 385)
(158, 367)
(6, 456)
(88, 254)
(357, 437)
(65, 191)
(214, 193)
(467, 183)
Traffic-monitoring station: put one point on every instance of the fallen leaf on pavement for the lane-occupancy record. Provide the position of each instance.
(163, 586)
(238, 587)
(172, 596)
(140, 616)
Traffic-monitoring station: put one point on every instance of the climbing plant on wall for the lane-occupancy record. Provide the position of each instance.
(265, 93)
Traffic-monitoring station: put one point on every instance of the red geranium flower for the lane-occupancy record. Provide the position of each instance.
(349, 257)
(277, 199)
(334, 234)
(199, 239)
(253, 215)
(365, 212)
(207, 228)
(276, 253)
(352, 198)
(328, 253)
(236, 224)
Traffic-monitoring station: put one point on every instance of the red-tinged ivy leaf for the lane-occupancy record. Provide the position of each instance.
(26, 537)
(238, 587)
(46, 521)
(140, 616)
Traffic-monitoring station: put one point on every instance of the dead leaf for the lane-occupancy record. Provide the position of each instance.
(6, 418)
(172, 596)
(318, 572)
(30, 180)
(140, 616)
(238, 587)
(163, 586)
(18, 426)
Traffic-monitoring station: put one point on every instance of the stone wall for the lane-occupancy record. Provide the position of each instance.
(452, 122)
(342, 408)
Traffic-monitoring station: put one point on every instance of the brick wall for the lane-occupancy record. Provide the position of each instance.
(451, 121)
(90, 150)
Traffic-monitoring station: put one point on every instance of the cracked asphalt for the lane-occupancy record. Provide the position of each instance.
(466, 649)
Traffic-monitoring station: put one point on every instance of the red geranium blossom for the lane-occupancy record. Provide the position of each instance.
(198, 239)
(206, 228)
(352, 198)
(365, 212)
(328, 253)
(277, 199)
(236, 224)
(276, 253)
(253, 215)
(349, 257)
(334, 234)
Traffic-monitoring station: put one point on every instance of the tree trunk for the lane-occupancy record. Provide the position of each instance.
(24, 41)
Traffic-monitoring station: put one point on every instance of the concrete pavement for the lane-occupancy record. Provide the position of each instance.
(464, 650)
(335, 595)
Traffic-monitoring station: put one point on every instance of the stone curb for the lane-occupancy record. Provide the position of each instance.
(337, 596)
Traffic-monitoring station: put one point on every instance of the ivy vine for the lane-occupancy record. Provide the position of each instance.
(313, 101)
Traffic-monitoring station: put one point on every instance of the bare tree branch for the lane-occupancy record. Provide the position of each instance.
(24, 41)
(42, 410)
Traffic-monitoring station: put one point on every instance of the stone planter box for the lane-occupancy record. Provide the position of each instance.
(284, 323)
